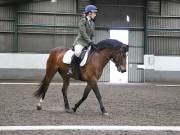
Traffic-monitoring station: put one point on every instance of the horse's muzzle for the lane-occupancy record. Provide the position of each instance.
(121, 69)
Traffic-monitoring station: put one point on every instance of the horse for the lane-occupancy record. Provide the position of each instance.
(106, 50)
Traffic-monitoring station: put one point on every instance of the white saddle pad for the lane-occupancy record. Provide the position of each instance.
(68, 55)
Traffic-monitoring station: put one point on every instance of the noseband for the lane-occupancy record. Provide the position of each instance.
(112, 59)
(115, 62)
(109, 58)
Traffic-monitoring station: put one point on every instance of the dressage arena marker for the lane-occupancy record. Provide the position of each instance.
(94, 128)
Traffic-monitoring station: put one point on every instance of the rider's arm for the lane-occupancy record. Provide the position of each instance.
(82, 30)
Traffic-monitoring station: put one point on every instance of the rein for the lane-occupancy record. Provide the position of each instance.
(105, 56)
(108, 58)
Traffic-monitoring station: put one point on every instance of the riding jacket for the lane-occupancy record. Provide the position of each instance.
(86, 32)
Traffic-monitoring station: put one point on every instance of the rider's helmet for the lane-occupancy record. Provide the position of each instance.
(91, 8)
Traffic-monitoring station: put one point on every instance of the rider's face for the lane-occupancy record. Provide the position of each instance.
(93, 15)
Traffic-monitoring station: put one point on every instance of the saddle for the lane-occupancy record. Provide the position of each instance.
(83, 57)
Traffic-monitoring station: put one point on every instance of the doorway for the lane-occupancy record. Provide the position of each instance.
(115, 76)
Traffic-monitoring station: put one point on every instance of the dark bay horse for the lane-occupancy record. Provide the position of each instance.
(106, 50)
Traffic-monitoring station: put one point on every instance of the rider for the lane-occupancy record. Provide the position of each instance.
(85, 35)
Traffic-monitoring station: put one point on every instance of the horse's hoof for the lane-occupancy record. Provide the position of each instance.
(106, 114)
(39, 107)
(69, 110)
(74, 110)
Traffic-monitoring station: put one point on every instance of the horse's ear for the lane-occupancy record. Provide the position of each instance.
(125, 48)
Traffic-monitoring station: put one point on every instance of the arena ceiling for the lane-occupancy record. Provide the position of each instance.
(7, 2)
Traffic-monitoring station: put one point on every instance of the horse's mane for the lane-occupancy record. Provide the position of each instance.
(109, 43)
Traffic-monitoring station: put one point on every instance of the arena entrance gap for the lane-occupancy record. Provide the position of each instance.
(115, 76)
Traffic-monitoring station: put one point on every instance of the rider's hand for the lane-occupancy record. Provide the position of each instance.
(92, 44)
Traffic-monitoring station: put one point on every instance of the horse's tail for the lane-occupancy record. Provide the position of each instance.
(40, 93)
(51, 69)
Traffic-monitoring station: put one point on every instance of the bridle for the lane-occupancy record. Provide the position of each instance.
(112, 59)
(109, 58)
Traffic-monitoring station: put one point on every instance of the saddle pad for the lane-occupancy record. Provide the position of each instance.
(68, 55)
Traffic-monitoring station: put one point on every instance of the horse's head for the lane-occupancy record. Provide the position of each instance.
(119, 58)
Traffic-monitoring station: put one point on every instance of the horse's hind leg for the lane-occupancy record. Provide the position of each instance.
(85, 95)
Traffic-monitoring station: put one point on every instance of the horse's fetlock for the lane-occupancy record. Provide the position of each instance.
(74, 109)
(103, 110)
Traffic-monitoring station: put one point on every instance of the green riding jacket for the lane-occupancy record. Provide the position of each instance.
(86, 32)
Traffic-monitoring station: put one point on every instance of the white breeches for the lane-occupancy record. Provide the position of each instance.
(78, 49)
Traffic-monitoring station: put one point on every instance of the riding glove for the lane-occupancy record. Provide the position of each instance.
(91, 44)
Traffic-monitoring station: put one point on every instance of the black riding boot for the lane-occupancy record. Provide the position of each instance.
(72, 64)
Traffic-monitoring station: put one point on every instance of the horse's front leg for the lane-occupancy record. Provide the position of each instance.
(85, 95)
(99, 98)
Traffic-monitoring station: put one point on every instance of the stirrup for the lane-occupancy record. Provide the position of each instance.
(69, 71)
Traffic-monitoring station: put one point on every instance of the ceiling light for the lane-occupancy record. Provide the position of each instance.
(53, 0)
(127, 18)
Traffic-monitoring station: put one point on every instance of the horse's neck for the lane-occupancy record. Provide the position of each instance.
(107, 51)
(105, 55)
(97, 61)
